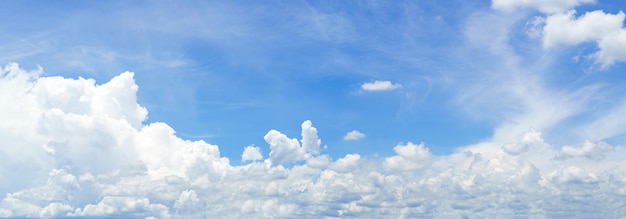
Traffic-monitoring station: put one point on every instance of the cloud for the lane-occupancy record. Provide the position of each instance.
(410, 157)
(94, 155)
(380, 86)
(593, 151)
(562, 27)
(606, 30)
(251, 153)
(546, 6)
(353, 136)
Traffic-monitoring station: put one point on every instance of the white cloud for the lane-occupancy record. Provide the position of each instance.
(347, 163)
(310, 142)
(546, 6)
(283, 149)
(410, 157)
(353, 135)
(596, 26)
(251, 153)
(107, 163)
(564, 28)
(590, 150)
(529, 140)
(380, 86)
(560, 26)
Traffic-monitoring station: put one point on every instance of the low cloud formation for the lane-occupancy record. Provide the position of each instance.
(71, 147)
(380, 86)
(353, 135)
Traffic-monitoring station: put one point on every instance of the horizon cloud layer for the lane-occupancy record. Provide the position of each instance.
(72, 147)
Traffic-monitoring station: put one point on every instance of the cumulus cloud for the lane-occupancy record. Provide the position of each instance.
(530, 139)
(410, 157)
(251, 153)
(353, 135)
(562, 27)
(590, 150)
(92, 156)
(380, 86)
(605, 29)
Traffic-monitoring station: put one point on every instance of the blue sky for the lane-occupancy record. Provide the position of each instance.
(229, 72)
(455, 75)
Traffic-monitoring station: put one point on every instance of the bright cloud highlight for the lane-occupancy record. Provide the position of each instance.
(90, 153)
(380, 86)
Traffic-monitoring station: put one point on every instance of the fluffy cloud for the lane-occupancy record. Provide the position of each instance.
(251, 153)
(564, 28)
(91, 155)
(380, 86)
(410, 157)
(606, 30)
(560, 26)
(593, 151)
(353, 135)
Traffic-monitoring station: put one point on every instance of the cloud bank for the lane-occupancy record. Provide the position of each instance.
(71, 147)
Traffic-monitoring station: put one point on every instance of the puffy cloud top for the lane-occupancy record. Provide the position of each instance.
(410, 157)
(251, 153)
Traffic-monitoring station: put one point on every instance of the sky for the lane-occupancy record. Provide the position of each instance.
(310, 109)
